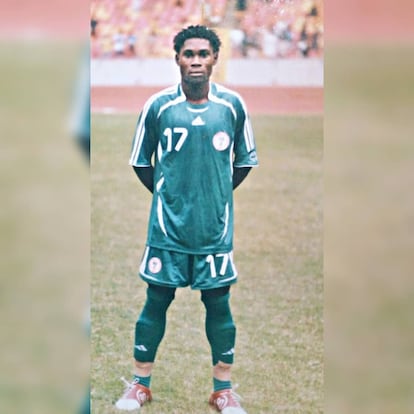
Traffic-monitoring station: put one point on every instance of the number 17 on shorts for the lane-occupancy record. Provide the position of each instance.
(214, 270)
(175, 269)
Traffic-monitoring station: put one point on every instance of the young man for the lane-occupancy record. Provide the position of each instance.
(201, 138)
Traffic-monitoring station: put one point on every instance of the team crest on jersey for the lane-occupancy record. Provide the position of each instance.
(154, 265)
(221, 141)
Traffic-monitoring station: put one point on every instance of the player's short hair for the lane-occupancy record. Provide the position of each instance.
(199, 32)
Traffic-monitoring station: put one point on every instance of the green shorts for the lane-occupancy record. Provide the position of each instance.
(174, 269)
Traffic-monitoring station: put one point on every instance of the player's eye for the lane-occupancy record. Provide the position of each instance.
(188, 53)
(204, 53)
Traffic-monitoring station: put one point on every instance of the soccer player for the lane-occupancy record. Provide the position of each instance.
(192, 147)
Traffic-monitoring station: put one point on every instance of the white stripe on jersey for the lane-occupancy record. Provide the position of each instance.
(160, 216)
(221, 101)
(232, 262)
(226, 222)
(248, 135)
(159, 151)
(144, 260)
(231, 155)
(137, 141)
(140, 131)
(228, 279)
(175, 101)
(221, 88)
(159, 184)
(159, 206)
(248, 132)
(197, 110)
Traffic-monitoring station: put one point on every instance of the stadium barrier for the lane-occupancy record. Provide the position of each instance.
(296, 72)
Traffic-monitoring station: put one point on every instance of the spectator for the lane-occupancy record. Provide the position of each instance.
(236, 39)
(269, 42)
(157, 19)
(251, 42)
(241, 8)
(313, 10)
(94, 23)
(241, 5)
(131, 40)
(283, 31)
(119, 43)
(303, 44)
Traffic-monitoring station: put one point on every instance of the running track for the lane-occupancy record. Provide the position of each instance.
(259, 100)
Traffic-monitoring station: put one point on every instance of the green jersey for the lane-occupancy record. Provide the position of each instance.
(194, 149)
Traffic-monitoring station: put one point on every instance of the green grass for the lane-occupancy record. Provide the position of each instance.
(277, 303)
(369, 228)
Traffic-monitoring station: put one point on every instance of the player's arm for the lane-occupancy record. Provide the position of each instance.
(146, 176)
(239, 174)
(143, 146)
(244, 147)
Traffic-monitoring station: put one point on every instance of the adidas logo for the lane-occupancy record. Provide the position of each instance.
(141, 348)
(229, 352)
(198, 121)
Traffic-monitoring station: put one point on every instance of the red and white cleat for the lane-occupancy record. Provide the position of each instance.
(134, 397)
(226, 402)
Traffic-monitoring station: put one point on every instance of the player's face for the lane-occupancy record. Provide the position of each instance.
(196, 60)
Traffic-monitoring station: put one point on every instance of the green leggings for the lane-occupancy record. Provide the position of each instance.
(219, 325)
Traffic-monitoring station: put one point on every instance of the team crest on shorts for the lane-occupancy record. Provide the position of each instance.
(221, 141)
(154, 265)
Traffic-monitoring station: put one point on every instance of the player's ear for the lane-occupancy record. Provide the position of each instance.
(215, 56)
(176, 58)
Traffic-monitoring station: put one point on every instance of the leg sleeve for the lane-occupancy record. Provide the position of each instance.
(150, 326)
(219, 324)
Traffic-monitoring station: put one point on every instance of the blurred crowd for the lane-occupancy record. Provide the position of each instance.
(251, 28)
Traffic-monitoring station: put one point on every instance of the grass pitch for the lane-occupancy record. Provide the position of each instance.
(277, 303)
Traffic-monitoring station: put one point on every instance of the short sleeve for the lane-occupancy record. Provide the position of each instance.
(244, 143)
(145, 139)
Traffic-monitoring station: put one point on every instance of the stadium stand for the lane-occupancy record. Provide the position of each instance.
(256, 28)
